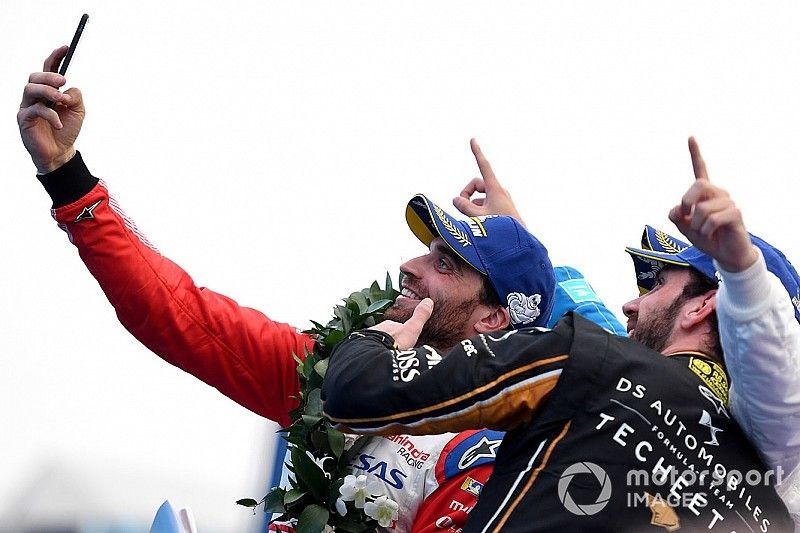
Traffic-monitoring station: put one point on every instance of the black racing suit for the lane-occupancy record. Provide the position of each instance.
(604, 434)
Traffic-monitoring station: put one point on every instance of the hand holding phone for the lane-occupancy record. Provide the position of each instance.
(75, 38)
(49, 134)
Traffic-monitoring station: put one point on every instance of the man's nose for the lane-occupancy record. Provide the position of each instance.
(412, 267)
(631, 308)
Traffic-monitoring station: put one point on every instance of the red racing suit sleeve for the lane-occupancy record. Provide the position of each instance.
(235, 349)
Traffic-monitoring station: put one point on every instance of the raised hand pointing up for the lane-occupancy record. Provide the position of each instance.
(497, 200)
(711, 221)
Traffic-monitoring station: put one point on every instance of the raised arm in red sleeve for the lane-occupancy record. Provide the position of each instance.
(237, 350)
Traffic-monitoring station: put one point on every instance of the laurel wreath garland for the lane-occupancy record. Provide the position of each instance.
(320, 460)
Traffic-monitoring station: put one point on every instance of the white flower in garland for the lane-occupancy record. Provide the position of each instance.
(383, 509)
(341, 508)
(357, 489)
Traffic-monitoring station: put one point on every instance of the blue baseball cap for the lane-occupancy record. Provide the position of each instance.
(661, 249)
(500, 248)
(660, 241)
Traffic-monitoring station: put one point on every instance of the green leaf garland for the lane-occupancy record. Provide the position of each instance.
(320, 457)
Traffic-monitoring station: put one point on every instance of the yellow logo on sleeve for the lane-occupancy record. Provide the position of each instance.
(712, 375)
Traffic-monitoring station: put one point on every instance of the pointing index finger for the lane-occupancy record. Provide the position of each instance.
(483, 165)
(698, 164)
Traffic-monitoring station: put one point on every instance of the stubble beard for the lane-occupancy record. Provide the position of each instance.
(447, 326)
(656, 332)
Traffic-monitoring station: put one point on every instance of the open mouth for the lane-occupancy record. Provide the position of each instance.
(408, 293)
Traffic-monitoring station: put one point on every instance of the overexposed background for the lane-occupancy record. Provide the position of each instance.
(270, 149)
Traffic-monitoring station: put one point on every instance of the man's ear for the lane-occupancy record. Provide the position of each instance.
(699, 311)
(494, 318)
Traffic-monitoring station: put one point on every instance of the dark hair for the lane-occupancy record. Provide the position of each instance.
(487, 295)
(698, 285)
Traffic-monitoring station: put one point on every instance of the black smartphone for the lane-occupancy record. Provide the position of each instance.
(67, 58)
(73, 44)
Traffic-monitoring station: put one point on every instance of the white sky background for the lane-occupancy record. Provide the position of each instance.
(270, 148)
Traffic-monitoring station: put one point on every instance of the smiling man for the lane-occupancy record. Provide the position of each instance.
(461, 292)
(604, 432)
(484, 274)
(487, 273)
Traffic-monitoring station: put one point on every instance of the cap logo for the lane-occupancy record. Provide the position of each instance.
(655, 266)
(646, 275)
(477, 227)
(457, 234)
(524, 308)
(668, 243)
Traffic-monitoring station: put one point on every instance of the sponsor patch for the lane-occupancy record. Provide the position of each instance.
(433, 357)
(405, 365)
(524, 308)
(473, 486)
(477, 449)
(705, 420)
(88, 211)
(579, 290)
(476, 225)
(469, 348)
(444, 522)
(712, 375)
(411, 453)
(485, 448)
(719, 406)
